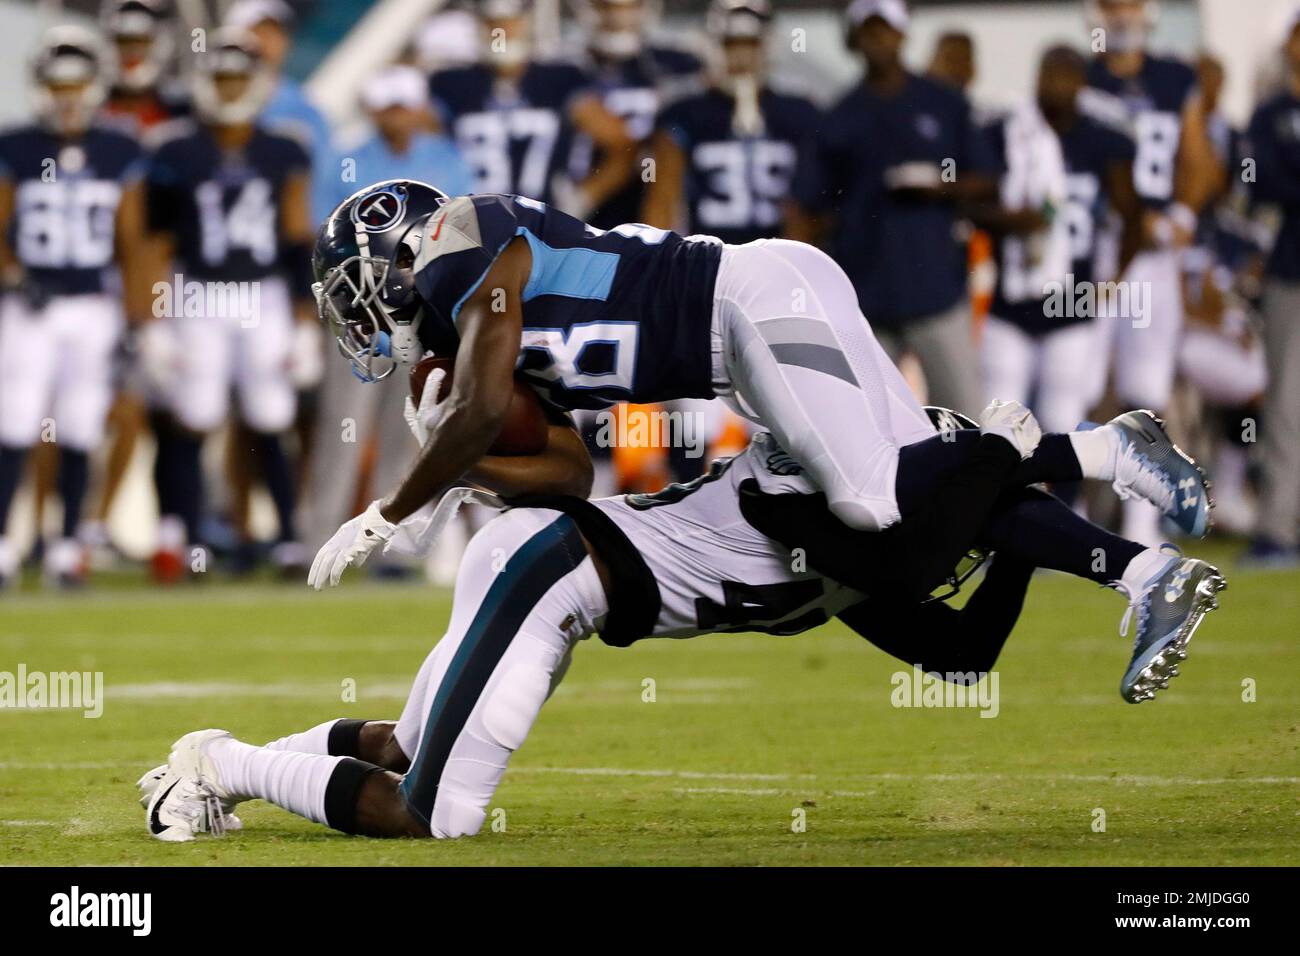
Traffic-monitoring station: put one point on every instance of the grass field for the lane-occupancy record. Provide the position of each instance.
(745, 731)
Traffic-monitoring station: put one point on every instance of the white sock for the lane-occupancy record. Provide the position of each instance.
(1141, 522)
(294, 781)
(1096, 450)
(314, 741)
(1143, 568)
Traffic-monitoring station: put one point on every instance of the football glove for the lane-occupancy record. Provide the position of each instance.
(350, 545)
(422, 419)
(1015, 423)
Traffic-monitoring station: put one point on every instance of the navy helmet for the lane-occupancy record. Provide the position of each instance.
(363, 264)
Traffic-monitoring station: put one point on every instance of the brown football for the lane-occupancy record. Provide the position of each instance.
(524, 431)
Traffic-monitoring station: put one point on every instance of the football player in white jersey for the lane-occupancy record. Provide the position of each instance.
(686, 561)
(1175, 172)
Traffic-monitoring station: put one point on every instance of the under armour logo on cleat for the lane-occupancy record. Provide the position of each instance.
(1178, 583)
(1189, 499)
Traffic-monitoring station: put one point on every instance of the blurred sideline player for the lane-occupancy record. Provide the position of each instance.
(898, 156)
(228, 204)
(1174, 172)
(141, 96)
(1062, 174)
(71, 203)
(635, 79)
(514, 117)
(727, 156)
(690, 560)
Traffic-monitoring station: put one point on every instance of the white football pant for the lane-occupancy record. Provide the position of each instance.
(526, 593)
(221, 347)
(57, 364)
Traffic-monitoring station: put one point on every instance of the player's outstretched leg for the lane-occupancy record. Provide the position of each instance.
(1132, 451)
(1169, 594)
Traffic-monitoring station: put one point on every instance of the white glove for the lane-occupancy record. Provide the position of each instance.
(421, 420)
(1015, 423)
(351, 545)
(159, 354)
(307, 359)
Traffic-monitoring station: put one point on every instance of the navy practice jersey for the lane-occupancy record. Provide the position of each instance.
(1152, 103)
(66, 196)
(1090, 151)
(222, 208)
(905, 256)
(608, 317)
(514, 138)
(735, 185)
(634, 90)
(1274, 144)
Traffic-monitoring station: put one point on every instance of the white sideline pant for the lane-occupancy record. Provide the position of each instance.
(57, 363)
(1056, 370)
(219, 349)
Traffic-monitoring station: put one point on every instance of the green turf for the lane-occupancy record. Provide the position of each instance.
(745, 731)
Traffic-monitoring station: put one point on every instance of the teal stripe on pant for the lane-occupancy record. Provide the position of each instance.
(531, 571)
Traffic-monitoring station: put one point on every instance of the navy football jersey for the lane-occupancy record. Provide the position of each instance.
(222, 208)
(1089, 149)
(634, 90)
(66, 196)
(735, 185)
(608, 317)
(515, 138)
(1152, 101)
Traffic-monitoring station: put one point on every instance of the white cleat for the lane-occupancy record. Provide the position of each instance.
(148, 784)
(188, 797)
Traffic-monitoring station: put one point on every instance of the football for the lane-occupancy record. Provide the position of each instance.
(524, 431)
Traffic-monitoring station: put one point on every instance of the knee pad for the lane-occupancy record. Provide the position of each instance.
(514, 703)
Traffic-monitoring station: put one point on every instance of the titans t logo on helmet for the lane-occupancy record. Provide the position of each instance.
(381, 210)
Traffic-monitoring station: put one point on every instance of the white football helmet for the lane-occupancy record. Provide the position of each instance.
(67, 79)
(231, 52)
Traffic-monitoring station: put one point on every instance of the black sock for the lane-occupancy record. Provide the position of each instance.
(279, 479)
(1036, 527)
(343, 790)
(923, 465)
(1053, 460)
(11, 472)
(74, 476)
(186, 476)
(345, 737)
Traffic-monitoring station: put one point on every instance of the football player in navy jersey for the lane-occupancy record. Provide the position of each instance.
(590, 318)
(71, 211)
(730, 153)
(635, 79)
(228, 202)
(515, 117)
(1033, 345)
(1175, 173)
